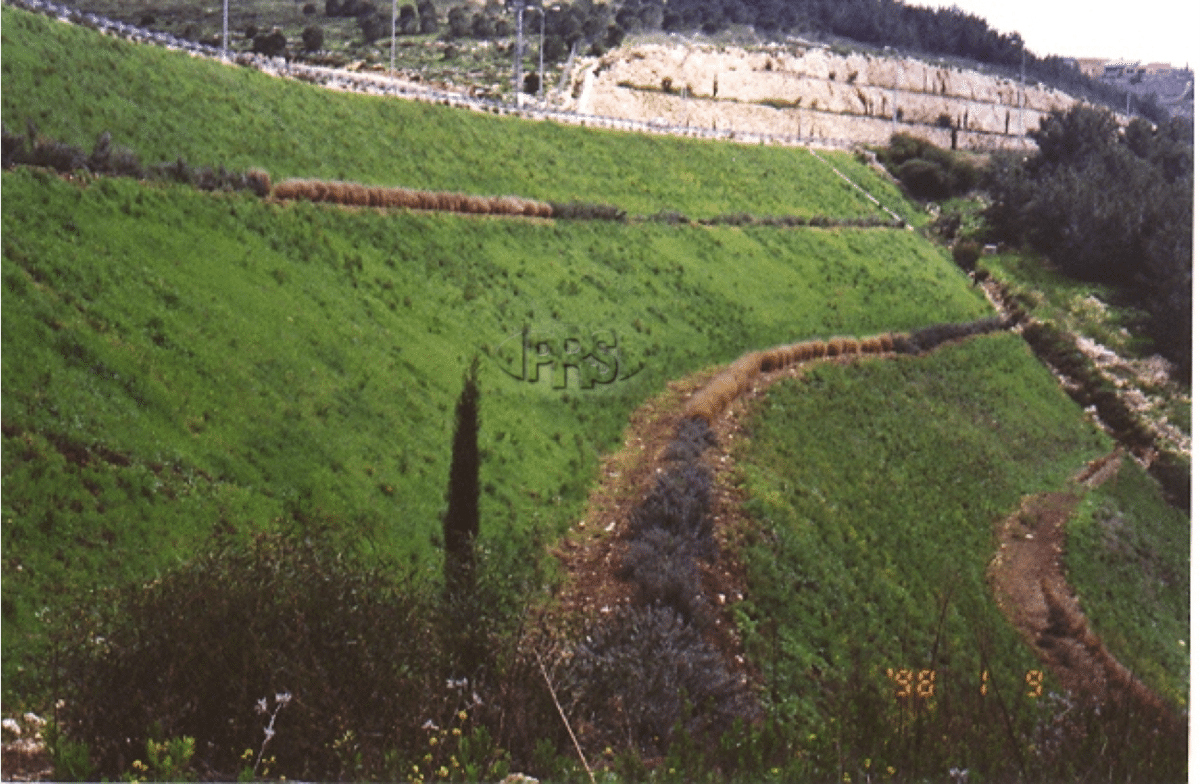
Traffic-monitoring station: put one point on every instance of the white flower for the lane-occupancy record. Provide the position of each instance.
(261, 707)
(429, 725)
(283, 697)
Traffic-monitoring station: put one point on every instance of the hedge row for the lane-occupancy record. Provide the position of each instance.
(708, 403)
(356, 195)
(650, 661)
(1057, 348)
(33, 149)
(795, 221)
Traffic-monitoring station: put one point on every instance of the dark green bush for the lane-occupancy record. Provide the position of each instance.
(313, 37)
(1174, 473)
(193, 653)
(924, 179)
(966, 254)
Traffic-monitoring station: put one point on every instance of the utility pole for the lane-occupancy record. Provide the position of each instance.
(517, 55)
(225, 30)
(542, 61)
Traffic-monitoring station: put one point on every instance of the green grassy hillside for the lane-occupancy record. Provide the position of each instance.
(180, 364)
(176, 361)
(75, 85)
(877, 488)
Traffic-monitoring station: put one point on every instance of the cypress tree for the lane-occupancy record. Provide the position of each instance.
(460, 525)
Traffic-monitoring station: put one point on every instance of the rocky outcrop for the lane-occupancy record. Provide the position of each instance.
(810, 93)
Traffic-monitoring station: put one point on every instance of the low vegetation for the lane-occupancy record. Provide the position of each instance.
(1111, 205)
(868, 615)
(291, 130)
(228, 426)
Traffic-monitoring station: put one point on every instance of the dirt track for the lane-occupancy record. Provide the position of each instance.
(1031, 590)
(1026, 574)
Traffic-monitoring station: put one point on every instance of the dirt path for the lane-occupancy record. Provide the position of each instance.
(1026, 574)
(1031, 590)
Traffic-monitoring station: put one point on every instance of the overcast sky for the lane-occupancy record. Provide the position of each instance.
(1146, 30)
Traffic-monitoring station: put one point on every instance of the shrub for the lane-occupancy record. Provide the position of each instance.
(924, 179)
(678, 503)
(313, 36)
(194, 651)
(966, 254)
(586, 211)
(272, 44)
(644, 676)
(692, 438)
(662, 565)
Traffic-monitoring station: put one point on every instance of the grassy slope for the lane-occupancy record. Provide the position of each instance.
(863, 542)
(75, 85)
(1128, 557)
(252, 362)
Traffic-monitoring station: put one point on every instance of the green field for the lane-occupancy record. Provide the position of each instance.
(164, 105)
(244, 362)
(1128, 557)
(181, 365)
(876, 488)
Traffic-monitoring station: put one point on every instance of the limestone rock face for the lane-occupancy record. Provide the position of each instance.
(809, 92)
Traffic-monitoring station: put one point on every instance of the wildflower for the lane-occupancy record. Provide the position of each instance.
(429, 725)
(283, 697)
(261, 706)
(457, 732)
(433, 741)
(443, 772)
(462, 715)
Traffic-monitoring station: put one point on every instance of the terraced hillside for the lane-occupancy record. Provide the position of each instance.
(187, 373)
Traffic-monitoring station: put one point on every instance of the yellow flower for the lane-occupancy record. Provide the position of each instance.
(457, 732)
(891, 771)
(443, 772)
(433, 741)
(462, 715)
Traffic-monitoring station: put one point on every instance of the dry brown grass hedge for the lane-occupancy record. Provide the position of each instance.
(352, 194)
(738, 378)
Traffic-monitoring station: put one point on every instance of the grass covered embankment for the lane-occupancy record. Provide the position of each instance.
(75, 85)
(876, 487)
(177, 362)
(1127, 556)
